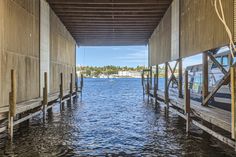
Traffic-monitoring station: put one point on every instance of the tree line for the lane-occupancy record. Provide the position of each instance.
(106, 70)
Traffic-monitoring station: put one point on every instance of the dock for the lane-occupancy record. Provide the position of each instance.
(39, 40)
(216, 121)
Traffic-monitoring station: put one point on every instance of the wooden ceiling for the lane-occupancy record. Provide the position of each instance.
(110, 22)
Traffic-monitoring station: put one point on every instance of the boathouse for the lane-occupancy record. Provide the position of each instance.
(38, 40)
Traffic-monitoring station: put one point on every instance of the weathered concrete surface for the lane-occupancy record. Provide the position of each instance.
(44, 43)
(21, 49)
(62, 54)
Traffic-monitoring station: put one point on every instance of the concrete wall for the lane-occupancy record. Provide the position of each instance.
(20, 48)
(62, 54)
(31, 45)
(1, 47)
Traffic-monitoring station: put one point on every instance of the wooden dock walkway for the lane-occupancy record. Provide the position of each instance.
(34, 104)
(199, 114)
(211, 114)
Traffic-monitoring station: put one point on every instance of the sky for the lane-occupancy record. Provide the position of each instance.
(130, 56)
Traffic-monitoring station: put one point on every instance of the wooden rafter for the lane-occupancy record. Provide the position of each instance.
(110, 22)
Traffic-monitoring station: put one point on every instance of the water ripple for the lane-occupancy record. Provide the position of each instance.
(111, 120)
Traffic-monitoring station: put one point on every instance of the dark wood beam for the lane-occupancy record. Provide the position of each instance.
(120, 2)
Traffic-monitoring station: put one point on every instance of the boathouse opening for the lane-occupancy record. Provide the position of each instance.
(39, 38)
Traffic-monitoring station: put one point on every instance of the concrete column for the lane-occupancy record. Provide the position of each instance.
(1, 45)
(44, 43)
(175, 29)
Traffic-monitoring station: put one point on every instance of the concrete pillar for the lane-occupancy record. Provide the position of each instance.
(175, 29)
(44, 43)
(1, 43)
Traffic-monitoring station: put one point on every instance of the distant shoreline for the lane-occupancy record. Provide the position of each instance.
(116, 78)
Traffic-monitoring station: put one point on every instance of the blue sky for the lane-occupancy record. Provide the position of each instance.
(130, 56)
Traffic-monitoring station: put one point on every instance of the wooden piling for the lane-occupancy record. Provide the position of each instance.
(205, 90)
(45, 95)
(81, 84)
(157, 77)
(155, 87)
(61, 91)
(187, 101)
(233, 101)
(148, 86)
(166, 83)
(71, 87)
(150, 77)
(180, 80)
(76, 84)
(142, 76)
(166, 90)
(12, 104)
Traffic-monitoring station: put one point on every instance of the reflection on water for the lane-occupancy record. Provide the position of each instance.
(111, 120)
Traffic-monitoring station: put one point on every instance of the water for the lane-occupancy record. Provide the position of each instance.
(111, 120)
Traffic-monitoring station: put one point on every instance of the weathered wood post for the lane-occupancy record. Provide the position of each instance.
(61, 91)
(148, 86)
(150, 77)
(81, 84)
(155, 87)
(76, 83)
(204, 77)
(157, 77)
(233, 101)
(45, 95)
(142, 76)
(166, 87)
(71, 88)
(180, 80)
(187, 101)
(156, 84)
(12, 104)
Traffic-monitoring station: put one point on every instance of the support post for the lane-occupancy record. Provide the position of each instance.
(157, 73)
(150, 78)
(166, 88)
(12, 104)
(143, 83)
(81, 84)
(187, 101)
(71, 87)
(233, 101)
(45, 95)
(61, 91)
(148, 86)
(76, 84)
(204, 77)
(155, 87)
(180, 80)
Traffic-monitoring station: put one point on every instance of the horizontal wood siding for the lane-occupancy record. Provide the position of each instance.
(160, 41)
(20, 48)
(201, 29)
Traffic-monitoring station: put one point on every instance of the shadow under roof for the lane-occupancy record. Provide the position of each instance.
(110, 22)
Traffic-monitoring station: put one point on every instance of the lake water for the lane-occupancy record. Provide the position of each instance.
(112, 119)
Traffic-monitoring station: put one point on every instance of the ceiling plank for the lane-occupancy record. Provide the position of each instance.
(110, 22)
